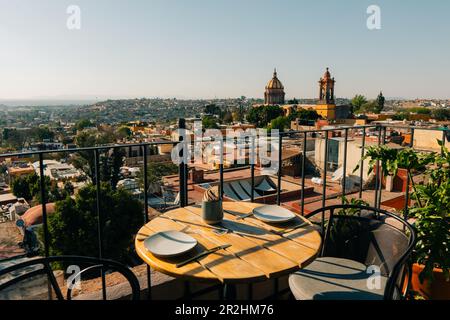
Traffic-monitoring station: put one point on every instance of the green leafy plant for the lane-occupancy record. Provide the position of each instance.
(431, 205)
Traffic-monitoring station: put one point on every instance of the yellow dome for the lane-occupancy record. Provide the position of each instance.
(274, 83)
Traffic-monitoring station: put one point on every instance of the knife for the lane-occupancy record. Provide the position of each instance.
(290, 229)
(202, 254)
(244, 216)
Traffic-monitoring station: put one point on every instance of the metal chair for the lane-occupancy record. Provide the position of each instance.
(364, 256)
(38, 278)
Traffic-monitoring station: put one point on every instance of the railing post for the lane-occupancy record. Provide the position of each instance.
(252, 169)
(344, 174)
(99, 217)
(381, 173)
(303, 173)
(221, 168)
(324, 188)
(377, 172)
(44, 219)
(44, 205)
(181, 169)
(186, 172)
(149, 281)
(361, 172)
(408, 182)
(280, 165)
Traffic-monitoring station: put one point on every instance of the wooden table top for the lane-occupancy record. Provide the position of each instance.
(256, 252)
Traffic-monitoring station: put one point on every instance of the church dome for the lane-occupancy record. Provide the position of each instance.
(274, 83)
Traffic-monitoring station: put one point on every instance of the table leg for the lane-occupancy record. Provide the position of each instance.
(229, 292)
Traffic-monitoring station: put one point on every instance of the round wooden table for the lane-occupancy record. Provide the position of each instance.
(258, 251)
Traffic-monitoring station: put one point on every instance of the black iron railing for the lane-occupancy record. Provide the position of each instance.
(302, 135)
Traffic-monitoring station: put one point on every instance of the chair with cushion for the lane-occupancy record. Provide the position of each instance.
(364, 256)
(66, 278)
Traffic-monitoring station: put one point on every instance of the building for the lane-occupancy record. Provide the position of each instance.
(57, 170)
(326, 106)
(274, 93)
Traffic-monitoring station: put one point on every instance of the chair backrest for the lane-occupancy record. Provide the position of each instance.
(371, 236)
(44, 278)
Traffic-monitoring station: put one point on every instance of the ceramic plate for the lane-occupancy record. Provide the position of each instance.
(169, 243)
(273, 214)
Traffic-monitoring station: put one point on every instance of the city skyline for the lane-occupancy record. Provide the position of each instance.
(221, 49)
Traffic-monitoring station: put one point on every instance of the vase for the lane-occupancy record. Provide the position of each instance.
(212, 211)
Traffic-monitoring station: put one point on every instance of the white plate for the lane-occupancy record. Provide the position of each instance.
(169, 243)
(273, 214)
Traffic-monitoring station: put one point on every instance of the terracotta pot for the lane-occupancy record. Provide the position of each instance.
(439, 289)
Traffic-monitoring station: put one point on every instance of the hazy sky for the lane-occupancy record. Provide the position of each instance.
(222, 48)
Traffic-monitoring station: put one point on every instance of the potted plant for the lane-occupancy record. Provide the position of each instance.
(430, 210)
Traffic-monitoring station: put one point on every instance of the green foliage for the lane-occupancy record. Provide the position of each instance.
(73, 226)
(431, 209)
(441, 114)
(41, 133)
(124, 132)
(227, 117)
(358, 101)
(304, 114)
(209, 122)
(380, 102)
(262, 116)
(29, 187)
(212, 109)
(281, 123)
(157, 170)
(110, 159)
(21, 187)
(14, 138)
(83, 124)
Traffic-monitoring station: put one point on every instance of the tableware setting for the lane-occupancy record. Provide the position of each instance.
(273, 214)
(171, 243)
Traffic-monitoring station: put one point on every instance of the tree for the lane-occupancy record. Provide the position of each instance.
(441, 114)
(227, 117)
(280, 123)
(212, 109)
(73, 225)
(262, 116)
(358, 101)
(110, 160)
(21, 188)
(304, 114)
(369, 107)
(380, 102)
(41, 133)
(83, 124)
(293, 101)
(157, 170)
(29, 188)
(14, 138)
(209, 122)
(124, 132)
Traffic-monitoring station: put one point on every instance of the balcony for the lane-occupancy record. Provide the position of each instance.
(314, 169)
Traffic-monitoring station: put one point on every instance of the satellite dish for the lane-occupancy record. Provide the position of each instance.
(20, 223)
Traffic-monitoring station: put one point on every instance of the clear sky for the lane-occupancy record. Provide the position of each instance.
(222, 48)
